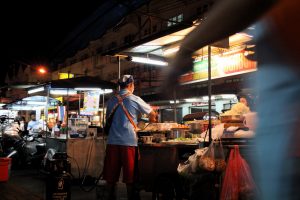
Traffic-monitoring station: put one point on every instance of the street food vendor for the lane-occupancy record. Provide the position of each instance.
(121, 151)
(36, 126)
(241, 108)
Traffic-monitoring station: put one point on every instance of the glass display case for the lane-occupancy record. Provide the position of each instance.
(79, 125)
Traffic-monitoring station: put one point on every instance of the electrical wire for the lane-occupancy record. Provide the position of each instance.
(87, 162)
(77, 167)
(95, 183)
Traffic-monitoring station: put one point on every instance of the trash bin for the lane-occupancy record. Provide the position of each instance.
(4, 168)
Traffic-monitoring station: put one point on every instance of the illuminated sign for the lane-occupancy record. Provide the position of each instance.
(90, 103)
(221, 66)
(59, 99)
(65, 75)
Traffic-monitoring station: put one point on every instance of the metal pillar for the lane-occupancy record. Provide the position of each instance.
(119, 70)
(175, 106)
(47, 106)
(209, 93)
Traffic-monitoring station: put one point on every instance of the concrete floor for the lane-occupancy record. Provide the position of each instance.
(29, 184)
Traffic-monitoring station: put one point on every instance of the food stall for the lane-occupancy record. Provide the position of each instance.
(76, 136)
(213, 64)
(163, 146)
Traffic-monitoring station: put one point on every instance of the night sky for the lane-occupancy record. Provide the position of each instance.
(32, 30)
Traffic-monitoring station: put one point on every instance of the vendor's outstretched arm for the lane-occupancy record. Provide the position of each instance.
(152, 116)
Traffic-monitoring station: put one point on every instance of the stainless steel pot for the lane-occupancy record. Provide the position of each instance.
(177, 133)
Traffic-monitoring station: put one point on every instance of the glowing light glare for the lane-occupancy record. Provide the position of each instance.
(42, 70)
(172, 102)
(35, 90)
(148, 61)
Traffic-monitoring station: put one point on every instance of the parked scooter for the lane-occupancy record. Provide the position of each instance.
(30, 149)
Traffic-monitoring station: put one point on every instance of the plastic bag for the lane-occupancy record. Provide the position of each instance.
(238, 182)
(184, 168)
(220, 163)
(207, 161)
(191, 165)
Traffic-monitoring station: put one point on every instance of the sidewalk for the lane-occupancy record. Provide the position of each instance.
(29, 184)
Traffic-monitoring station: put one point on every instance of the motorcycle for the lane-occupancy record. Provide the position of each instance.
(30, 150)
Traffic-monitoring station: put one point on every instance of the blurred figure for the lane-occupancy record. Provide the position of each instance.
(33, 124)
(22, 124)
(278, 82)
(244, 101)
(56, 128)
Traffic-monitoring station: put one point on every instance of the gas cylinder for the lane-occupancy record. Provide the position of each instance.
(58, 186)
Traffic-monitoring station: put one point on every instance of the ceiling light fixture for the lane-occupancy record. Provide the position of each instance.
(148, 61)
(35, 90)
(62, 92)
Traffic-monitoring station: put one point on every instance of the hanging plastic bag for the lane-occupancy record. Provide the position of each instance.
(220, 163)
(230, 182)
(207, 161)
(193, 161)
(238, 182)
(184, 169)
(247, 186)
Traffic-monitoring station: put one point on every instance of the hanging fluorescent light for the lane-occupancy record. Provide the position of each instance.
(228, 96)
(62, 92)
(192, 100)
(88, 89)
(205, 98)
(106, 91)
(38, 103)
(35, 90)
(172, 102)
(32, 107)
(148, 61)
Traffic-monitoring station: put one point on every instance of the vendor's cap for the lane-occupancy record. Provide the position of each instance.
(125, 80)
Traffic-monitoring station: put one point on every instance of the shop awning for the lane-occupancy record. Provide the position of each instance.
(31, 103)
(73, 83)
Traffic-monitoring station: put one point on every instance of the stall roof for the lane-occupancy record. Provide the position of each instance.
(79, 82)
(31, 103)
(167, 45)
(83, 82)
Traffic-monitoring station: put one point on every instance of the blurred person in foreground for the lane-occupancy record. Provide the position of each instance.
(121, 150)
(278, 83)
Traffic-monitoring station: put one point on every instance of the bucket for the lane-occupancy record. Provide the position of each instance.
(4, 169)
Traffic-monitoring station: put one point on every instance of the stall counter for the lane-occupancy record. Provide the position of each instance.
(86, 155)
